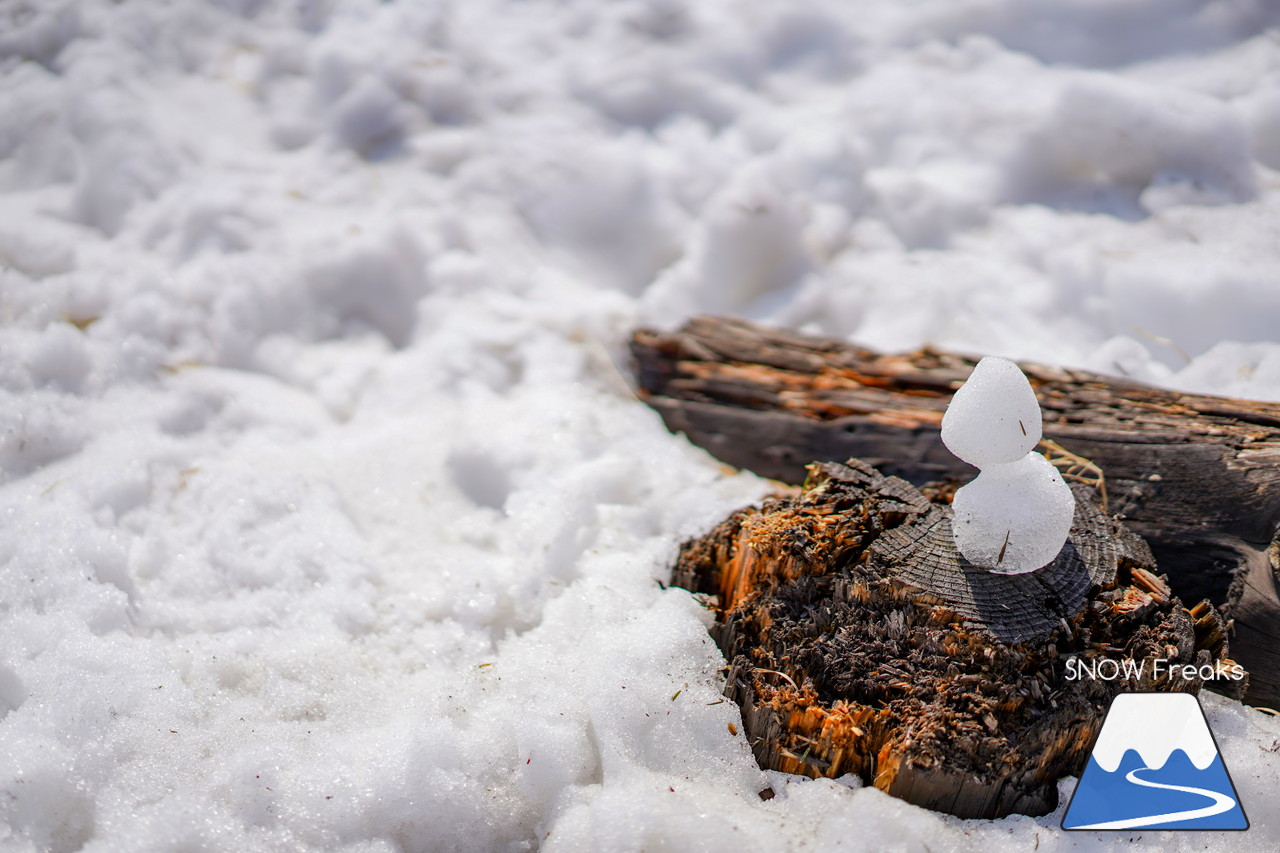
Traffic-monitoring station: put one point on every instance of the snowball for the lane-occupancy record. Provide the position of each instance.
(994, 418)
(1013, 518)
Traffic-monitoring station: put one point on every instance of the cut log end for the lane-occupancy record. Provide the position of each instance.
(861, 642)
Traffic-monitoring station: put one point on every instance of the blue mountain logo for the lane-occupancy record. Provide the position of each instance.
(1155, 766)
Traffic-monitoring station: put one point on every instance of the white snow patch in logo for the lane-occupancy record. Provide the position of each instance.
(1130, 725)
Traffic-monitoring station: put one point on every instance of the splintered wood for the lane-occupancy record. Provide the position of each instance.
(861, 642)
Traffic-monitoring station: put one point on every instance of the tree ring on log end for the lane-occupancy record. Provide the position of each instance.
(861, 642)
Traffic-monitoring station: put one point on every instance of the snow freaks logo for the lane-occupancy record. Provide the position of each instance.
(1155, 766)
(1107, 669)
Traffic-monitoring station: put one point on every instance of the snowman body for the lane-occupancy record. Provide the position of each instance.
(1015, 516)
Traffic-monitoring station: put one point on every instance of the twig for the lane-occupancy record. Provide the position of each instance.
(1076, 467)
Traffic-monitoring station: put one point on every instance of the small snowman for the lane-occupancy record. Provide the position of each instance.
(1014, 517)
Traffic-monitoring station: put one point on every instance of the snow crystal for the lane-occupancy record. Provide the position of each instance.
(1013, 518)
(994, 418)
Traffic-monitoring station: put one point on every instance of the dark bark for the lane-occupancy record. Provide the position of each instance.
(861, 642)
(1197, 477)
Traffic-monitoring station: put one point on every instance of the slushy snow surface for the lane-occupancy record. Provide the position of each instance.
(327, 521)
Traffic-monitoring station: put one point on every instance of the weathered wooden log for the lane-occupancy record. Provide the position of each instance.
(862, 642)
(1198, 477)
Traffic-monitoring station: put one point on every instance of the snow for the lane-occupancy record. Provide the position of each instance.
(1013, 518)
(328, 520)
(1015, 515)
(993, 418)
